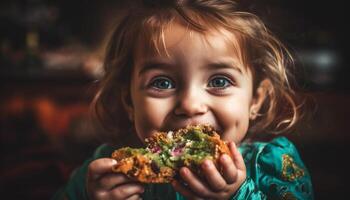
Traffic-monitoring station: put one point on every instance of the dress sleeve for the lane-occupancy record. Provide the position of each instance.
(281, 172)
(276, 171)
(249, 190)
(75, 187)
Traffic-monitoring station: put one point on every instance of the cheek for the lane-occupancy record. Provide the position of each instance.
(233, 117)
(149, 115)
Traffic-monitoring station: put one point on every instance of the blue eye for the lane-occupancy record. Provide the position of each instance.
(162, 83)
(219, 82)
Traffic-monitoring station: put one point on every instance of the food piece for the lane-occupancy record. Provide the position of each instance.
(167, 152)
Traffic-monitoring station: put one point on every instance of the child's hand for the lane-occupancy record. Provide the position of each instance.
(102, 183)
(216, 186)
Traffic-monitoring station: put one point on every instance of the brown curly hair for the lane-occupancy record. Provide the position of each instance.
(258, 47)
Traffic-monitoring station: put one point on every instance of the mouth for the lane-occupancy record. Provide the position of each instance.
(184, 124)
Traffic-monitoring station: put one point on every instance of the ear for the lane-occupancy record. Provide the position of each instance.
(261, 93)
(127, 102)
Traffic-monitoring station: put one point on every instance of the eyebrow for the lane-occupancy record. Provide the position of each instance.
(223, 65)
(151, 65)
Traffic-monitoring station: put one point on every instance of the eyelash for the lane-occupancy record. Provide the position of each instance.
(228, 80)
(156, 81)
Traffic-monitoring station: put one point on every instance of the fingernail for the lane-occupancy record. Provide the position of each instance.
(224, 157)
(114, 162)
(207, 164)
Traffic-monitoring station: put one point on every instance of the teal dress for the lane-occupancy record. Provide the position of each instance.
(274, 171)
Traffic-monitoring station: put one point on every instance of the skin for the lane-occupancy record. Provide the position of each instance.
(199, 79)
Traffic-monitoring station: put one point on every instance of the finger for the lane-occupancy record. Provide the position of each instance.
(183, 190)
(126, 190)
(237, 156)
(194, 183)
(98, 195)
(215, 180)
(99, 167)
(134, 197)
(229, 170)
(111, 180)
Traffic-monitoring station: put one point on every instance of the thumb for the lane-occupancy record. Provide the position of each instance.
(237, 156)
(99, 167)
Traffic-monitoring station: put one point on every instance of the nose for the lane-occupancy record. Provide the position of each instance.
(191, 103)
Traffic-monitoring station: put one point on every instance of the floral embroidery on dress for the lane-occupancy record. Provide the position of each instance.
(290, 170)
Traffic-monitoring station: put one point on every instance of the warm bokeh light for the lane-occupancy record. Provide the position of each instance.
(51, 57)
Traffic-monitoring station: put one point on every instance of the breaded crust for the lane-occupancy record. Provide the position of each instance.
(167, 152)
(140, 168)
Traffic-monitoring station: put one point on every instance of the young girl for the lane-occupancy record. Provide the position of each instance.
(175, 63)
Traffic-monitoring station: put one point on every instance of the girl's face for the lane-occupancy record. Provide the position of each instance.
(198, 80)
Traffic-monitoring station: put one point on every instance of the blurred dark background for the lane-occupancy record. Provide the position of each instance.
(50, 57)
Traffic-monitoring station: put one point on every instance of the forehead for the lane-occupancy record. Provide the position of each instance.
(159, 41)
(216, 39)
